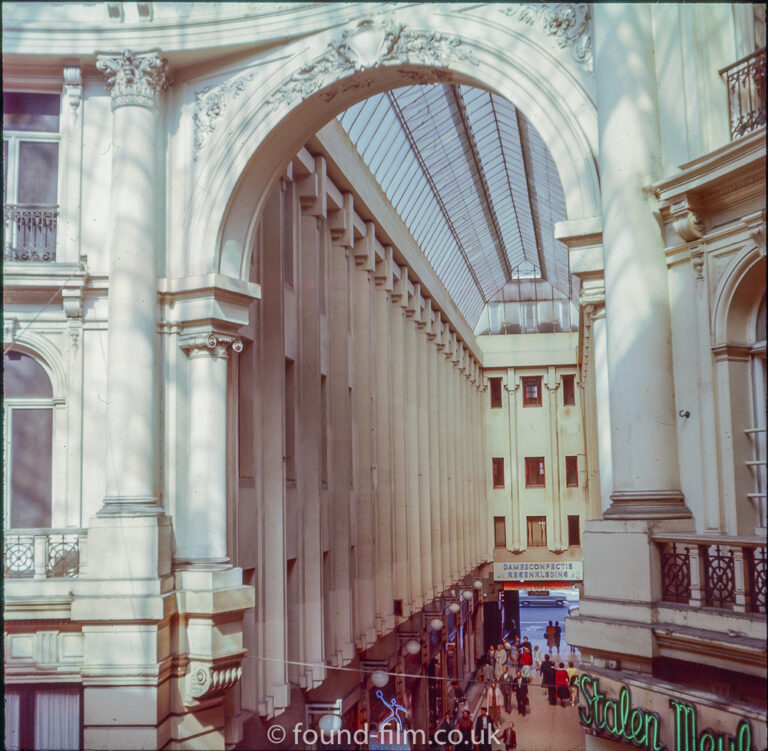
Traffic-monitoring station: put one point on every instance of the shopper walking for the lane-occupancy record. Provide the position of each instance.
(549, 633)
(510, 737)
(442, 736)
(464, 726)
(505, 684)
(484, 726)
(561, 685)
(526, 660)
(572, 675)
(520, 687)
(548, 679)
(494, 699)
(500, 661)
(558, 634)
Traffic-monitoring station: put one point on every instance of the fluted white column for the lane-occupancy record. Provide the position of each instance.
(135, 83)
(436, 515)
(644, 440)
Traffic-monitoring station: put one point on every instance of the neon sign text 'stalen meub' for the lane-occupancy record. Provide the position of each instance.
(618, 719)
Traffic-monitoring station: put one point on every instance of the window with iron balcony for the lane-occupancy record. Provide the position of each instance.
(30, 175)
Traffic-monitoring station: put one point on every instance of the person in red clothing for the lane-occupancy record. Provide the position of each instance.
(561, 685)
(526, 660)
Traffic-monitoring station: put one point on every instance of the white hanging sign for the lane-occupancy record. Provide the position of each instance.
(515, 571)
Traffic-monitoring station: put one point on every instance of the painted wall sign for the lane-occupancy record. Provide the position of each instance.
(538, 571)
(621, 721)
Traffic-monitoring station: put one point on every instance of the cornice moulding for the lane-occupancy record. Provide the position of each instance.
(718, 166)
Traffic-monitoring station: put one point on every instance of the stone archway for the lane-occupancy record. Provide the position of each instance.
(248, 126)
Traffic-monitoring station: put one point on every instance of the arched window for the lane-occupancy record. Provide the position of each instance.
(757, 431)
(28, 442)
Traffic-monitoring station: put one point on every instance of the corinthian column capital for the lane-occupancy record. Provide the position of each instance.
(134, 79)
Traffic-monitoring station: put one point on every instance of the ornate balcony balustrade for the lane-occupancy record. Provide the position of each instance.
(746, 93)
(29, 232)
(42, 553)
(716, 572)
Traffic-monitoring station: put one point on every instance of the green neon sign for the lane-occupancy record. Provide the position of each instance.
(688, 739)
(618, 719)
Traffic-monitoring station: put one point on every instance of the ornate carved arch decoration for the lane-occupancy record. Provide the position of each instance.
(237, 164)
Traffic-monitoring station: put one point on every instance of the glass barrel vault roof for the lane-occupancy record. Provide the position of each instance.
(472, 180)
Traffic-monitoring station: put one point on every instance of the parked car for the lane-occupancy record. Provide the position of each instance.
(542, 598)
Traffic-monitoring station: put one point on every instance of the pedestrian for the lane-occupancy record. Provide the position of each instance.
(442, 736)
(561, 685)
(491, 654)
(536, 658)
(501, 659)
(510, 737)
(520, 687)
(464, 726)
(505, 684)
(483, 730)
(494, 699)
(558, 634)
(573, 673)
(486, 673)
(548, 679)
(526, 644)
(526, 660)
(549, 633)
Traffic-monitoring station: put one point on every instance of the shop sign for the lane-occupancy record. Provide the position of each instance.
(538, 571)
(618, 719)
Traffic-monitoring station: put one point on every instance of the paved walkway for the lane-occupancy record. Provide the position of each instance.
(544, 727)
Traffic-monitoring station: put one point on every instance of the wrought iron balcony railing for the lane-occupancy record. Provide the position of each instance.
(42, 553)
(29, 232)
(746, 93)
(726, 573)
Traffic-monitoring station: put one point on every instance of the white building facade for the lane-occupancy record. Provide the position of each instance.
(248, 426)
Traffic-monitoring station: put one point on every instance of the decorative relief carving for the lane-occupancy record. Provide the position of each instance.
(689, 226)
(372, 43)
(212, 102)
(697, 261)
(205, 680)
(216, 344)
(134, 79)
(569, 23)
(73, 86)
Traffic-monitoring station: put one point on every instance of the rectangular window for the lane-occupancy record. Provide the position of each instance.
(30, 175)
(43, 717)
(537, 530)
(495, 385)
(498, 472)
(290, 420)
(532, 391)
(569, 390)
(534, 472)
(574, 534)
(499, 532)
(572, 471)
